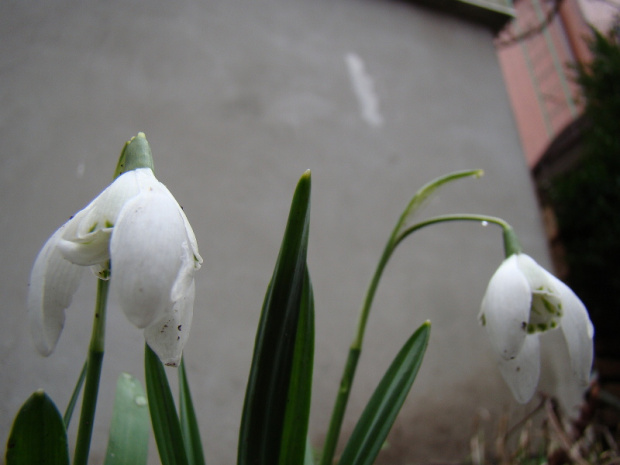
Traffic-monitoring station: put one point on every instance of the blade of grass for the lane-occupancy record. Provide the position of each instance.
(164, 419)
(264, 411)
(129, 430)
(378, 417)
(189, 422)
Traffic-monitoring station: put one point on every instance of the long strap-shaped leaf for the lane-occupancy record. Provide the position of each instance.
(38, 434)
(379, 415)
(264, 411)
(74, 396)
(129, 431)
(164, 418)
(294, 439)
(189, 422)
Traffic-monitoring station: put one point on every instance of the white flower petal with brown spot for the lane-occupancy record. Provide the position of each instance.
(136, 228)
(522, 301)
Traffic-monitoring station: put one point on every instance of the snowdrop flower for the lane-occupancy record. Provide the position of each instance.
(135, 233)
(522, 301)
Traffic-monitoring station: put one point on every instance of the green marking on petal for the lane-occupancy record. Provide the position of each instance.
(539, 327)
(109, 224)
(549, 306)
(93, 227)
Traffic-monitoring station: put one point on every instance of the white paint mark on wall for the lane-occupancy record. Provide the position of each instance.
(364, 89)
(81, 167)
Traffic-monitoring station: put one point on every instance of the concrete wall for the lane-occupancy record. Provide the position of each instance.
(237, 99)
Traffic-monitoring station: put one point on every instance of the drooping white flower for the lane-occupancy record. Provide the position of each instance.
(135, 232)
(522, 301)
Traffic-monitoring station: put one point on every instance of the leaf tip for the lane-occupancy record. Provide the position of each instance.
(306, 177)
(39, 396)
(304, 184)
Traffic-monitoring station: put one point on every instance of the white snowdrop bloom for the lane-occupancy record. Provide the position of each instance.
(522, 301)
(136, 233)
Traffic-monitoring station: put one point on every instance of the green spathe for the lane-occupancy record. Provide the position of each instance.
(135, 154)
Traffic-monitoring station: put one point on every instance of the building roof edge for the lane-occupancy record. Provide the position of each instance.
(494, 14)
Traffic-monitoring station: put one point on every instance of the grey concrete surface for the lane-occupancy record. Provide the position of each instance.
(237, 99)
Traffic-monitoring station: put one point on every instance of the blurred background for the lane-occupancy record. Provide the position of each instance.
(237, 99)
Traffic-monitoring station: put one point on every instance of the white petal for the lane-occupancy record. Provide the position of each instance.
(168, 336)
(88, 250)
(190, 233)
(572, 315)
(578, 333)
(546, 309)
(148, 249)
(197, 259)
(505, 309)
(104, 209)
(53, 281)
(86, 240)
(522, 373)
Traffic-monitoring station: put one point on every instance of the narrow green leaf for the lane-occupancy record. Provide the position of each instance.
(264, 410)
(295, 430)
(38, 434)
(164, 419)
(379, 415)
(129, 430)
(189, 422)
(74, 396)
(309, 455)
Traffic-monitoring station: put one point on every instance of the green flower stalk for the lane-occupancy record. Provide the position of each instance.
(94, 362)
(402, 230)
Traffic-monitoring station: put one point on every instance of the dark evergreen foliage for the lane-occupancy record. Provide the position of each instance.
(587, 199)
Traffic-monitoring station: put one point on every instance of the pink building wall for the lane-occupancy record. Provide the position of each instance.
(539, 79)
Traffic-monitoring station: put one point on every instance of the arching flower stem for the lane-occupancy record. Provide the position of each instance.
(511, 246)
(511, 243)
